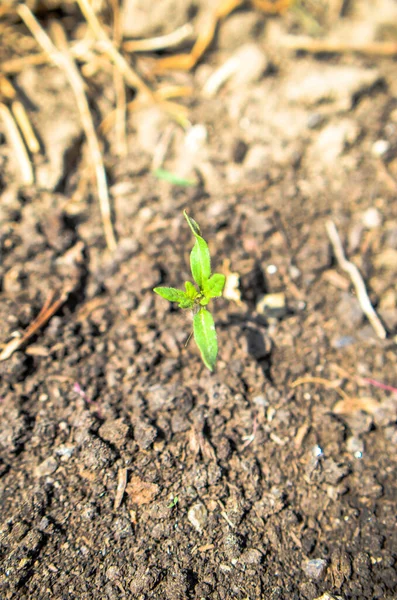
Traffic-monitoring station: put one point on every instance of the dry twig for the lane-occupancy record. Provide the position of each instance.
(25, 126)
(334, 385)
(357, 280)
(317, 46)
(163, 41)
(49, 309)
(17, 144)
(121, 485)
(114, 55)
(121, 98)
(64, 61)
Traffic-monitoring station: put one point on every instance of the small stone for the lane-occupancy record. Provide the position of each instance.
(122, 528)
(65, 451)
(380, 148)
(342, 342)
(315, 568)
(272, 305)
(315, 120)
(261, 400)
(195, 138)
(372, 218)
(232, 546)
(251, 557)
(144, 434)
(113, 573)
(47, 467)
(355, 446)
(43, 524)
(198, 516)
(334, 472)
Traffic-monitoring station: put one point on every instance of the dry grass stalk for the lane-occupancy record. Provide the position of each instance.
(64, 61)
(357, 280)
(15, 65)
(318, 46)
(25, 126)
(9, 93)
(121, 98)
(113, 54)
(18, 146)
(130, 76)
(160, 42)
(49, 309)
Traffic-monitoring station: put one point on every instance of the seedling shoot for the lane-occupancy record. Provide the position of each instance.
(196, 297)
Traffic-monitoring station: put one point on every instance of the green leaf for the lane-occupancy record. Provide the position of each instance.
(205, 337)
(200, 260)
(213, 288)
(171, 294)
(172, 178)
(191, 291)
(192, 224)
(186, 303)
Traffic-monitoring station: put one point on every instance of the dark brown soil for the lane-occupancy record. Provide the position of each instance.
(127, 470)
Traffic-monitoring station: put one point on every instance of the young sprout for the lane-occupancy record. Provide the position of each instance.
(209, 286)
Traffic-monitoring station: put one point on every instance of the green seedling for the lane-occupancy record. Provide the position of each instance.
(197, 298)
(173, 179)
(173, 502)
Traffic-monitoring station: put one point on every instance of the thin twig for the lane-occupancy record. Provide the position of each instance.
(108, 47)
(121, 98)
(358, 282)
(321, 381)
(160, 42)
(121, 485)
(318, 46)
(15, 65)
(17, 145)
(8, 91)
(49, 309)
(64, 61)
(162, 147)
(378, 384)
(25, 126)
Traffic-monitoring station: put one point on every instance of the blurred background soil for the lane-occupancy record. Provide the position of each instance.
(127, 470)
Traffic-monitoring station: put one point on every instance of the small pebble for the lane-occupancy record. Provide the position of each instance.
(196, 138)
(380, 148)
(272, 305)
(271, 269)
(342, 342)
(47, 467)
(251, 556)
(197, 516)
(315, 568)
(65, 451)
(317, 451)
(371, 218)
(355, 446)
(261, 400)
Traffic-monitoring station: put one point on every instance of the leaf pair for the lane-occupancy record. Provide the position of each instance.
(184, 299)
(210, 286)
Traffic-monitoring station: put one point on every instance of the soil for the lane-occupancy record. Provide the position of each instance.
(127, 469)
